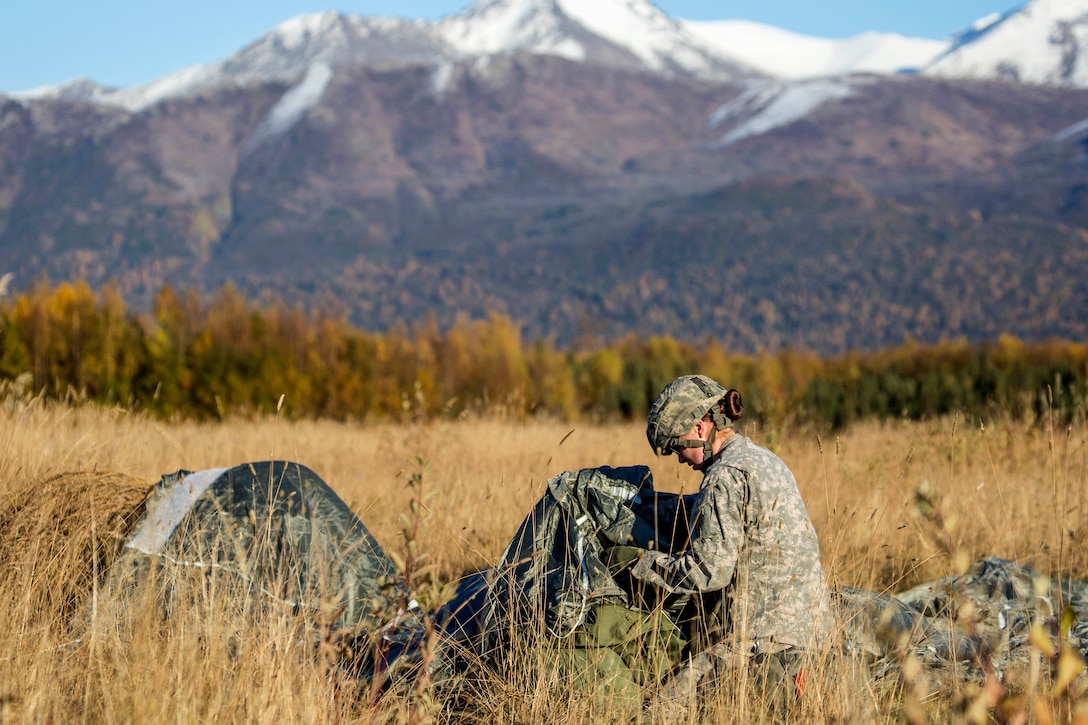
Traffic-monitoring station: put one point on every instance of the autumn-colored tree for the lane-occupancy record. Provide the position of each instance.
(197, 357)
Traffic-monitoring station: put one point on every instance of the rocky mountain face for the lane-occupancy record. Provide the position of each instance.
(579, 184)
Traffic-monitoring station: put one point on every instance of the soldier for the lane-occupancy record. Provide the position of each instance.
(753, 550)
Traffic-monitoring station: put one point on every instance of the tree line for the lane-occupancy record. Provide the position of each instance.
(206, 357)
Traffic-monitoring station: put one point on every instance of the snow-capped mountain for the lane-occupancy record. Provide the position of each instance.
(786, 55)
(608, 31)
(1045, 41)
(286, 53)
(1042, 42)
(77, 89)
(525, 155)
(623, 33)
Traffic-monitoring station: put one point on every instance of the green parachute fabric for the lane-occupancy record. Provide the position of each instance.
(280, 536)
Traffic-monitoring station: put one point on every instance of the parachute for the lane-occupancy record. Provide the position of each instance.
(562, 580)
(285, 536)
(280, 537)
(981, 621)
(276, 526)
(558, 585)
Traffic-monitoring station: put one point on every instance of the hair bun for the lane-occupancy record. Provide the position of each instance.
(732, 405)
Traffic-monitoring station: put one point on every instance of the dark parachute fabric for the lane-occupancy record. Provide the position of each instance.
(555, 570)
(558, 585)
(287, 541)
(279, 537)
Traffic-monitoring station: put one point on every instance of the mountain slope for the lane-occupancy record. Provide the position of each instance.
(560, 192)
(790, 56)
(1045, 41)
(759, 265)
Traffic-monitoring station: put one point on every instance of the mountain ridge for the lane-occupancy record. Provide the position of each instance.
(830, 213)
(1043, 41)
(631, 34)
(560, 193)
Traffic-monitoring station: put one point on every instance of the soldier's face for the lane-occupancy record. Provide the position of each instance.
(690, 456)
(693, 456)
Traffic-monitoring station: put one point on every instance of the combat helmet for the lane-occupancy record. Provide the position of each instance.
(679, 407)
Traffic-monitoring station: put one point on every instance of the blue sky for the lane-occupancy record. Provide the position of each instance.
(128, 42)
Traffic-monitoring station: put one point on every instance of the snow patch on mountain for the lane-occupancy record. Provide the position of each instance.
(189, 81)
(765, 106)
(507, 26)
(78, 89)
(787, 55)
(574, 29)
(1045, 41)
(82, 90)
(292, 106)
(335, 39)
(1075, 130)
(658, 40)
(442, 78)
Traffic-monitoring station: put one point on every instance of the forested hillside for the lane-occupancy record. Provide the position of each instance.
(577, 199)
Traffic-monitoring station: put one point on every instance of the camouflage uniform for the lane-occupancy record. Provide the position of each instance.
(751, 536)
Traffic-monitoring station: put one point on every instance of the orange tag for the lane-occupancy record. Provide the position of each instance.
(799, 681)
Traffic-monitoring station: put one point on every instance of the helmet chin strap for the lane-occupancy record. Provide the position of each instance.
(721, 422)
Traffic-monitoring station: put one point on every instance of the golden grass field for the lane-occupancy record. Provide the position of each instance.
(1014, 489)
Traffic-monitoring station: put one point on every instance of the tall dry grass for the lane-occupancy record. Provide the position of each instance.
(71, 480)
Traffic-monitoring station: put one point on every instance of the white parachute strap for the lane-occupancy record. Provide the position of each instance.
(386, 632)
(580, 550)
(237, 572)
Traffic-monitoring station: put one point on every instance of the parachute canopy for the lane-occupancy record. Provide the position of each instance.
(278, 528)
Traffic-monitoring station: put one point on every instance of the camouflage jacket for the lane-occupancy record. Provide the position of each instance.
(751, 536)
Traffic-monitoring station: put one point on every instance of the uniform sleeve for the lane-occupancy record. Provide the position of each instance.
(710, 560)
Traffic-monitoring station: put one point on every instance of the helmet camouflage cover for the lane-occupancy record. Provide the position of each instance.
(678, 408)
